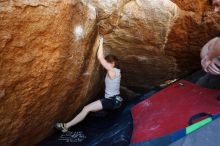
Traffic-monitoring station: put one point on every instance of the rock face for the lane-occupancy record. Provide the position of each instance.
(156, 40)
(48, 50)
(47, 66)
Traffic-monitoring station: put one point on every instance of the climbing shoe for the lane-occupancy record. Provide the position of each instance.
(61, 127)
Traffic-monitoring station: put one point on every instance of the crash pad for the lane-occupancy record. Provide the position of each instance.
(170, 110)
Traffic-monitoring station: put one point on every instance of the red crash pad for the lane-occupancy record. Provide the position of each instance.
(170, 109)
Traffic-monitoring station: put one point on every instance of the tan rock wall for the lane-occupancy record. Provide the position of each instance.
(47, 61)
(158, 40)
(137, 33)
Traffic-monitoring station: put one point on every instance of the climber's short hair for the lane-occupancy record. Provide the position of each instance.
(112, 59)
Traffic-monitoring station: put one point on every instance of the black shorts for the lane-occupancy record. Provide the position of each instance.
(111, 103)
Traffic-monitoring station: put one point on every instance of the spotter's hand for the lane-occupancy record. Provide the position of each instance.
(214, 67)
(205, 62)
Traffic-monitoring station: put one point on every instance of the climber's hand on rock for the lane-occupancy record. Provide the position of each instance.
(101, 40)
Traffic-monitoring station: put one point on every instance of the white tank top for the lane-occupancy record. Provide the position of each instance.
(112, 86)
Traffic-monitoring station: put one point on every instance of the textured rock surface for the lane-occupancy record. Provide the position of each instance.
(157, 40)
(47, 66)
(48, 49)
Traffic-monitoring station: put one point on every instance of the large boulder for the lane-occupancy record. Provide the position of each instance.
(158, 40)
(48, 66)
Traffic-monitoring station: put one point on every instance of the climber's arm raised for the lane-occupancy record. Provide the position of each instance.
(101, 58)
(108, 66)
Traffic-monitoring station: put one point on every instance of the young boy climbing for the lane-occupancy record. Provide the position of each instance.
(112, 99)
